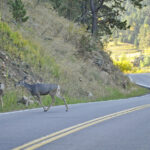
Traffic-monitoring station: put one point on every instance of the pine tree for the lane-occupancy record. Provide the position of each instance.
(102, 17)
(18, 11)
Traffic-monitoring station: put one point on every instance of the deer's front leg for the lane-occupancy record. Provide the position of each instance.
(1, 101)
(39, 99)
(52, 103)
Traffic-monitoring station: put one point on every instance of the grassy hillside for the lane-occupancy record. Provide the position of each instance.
(49, 48)
(119, 49)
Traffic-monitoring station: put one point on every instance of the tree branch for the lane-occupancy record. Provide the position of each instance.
(101, 2)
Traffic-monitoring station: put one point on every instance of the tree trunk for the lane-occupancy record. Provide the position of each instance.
(94, 17)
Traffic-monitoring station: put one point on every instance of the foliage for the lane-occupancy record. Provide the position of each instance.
(144, 36)
(145, 62)
(18, 10)
(101, 16)
(139, 32)
(124, 65)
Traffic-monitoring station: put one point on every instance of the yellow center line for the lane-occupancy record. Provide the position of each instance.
(57, 135)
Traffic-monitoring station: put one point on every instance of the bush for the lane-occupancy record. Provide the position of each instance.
(124, 66)
(18, 10)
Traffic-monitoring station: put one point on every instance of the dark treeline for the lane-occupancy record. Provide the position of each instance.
(101, 17)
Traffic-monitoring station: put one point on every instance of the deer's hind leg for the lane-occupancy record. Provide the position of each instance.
(60, 97)
(1, 101)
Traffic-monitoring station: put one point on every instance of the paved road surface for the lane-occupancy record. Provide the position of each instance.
(141, 79)
(125, 130)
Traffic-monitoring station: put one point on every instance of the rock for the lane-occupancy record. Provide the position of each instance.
(99, 62)
(25, 100)
(3, 56)
(3, 65)
(90, 94)
(80, 79)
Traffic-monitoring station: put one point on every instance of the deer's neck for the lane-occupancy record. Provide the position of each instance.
(2, 86)
(28, 86)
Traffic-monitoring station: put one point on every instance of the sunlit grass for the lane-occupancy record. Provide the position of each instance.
(124, 54)
(122, 47)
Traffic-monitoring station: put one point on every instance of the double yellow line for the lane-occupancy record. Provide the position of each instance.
(57, 135)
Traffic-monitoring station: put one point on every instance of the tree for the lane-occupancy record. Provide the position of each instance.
(110, 12)
(136, 43)
(101, 16)
(144, 36)
(139, 19)
(147, 20)
(18, 10)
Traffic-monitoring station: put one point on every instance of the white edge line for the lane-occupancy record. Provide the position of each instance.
(32, 109)
(131, 79)
(18, 111)
(146, 86)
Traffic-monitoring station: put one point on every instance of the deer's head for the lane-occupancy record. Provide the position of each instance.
(2, 86)
(21, 82)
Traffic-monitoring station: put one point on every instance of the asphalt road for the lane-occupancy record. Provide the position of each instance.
(125, 130)
(141, 79)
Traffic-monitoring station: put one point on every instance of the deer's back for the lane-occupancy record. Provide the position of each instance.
(43, 89)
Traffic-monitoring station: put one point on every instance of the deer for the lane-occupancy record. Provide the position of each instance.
(39, 89)
(2, 87)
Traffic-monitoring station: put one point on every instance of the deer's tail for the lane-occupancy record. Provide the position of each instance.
(58, 91)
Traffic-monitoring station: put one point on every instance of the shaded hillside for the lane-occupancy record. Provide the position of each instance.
(48, 48)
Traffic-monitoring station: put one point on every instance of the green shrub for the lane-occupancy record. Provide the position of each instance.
(124, 66)
(18, 10)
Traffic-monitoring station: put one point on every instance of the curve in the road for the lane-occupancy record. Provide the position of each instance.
(57, 135)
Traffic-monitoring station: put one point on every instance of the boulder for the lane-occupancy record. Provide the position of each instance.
(25, 100)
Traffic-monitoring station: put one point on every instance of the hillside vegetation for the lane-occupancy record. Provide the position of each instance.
(49, 48)
(128, 57)
(133, 43)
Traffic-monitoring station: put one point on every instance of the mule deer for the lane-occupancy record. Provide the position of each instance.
(1, 93)
(39, 89)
